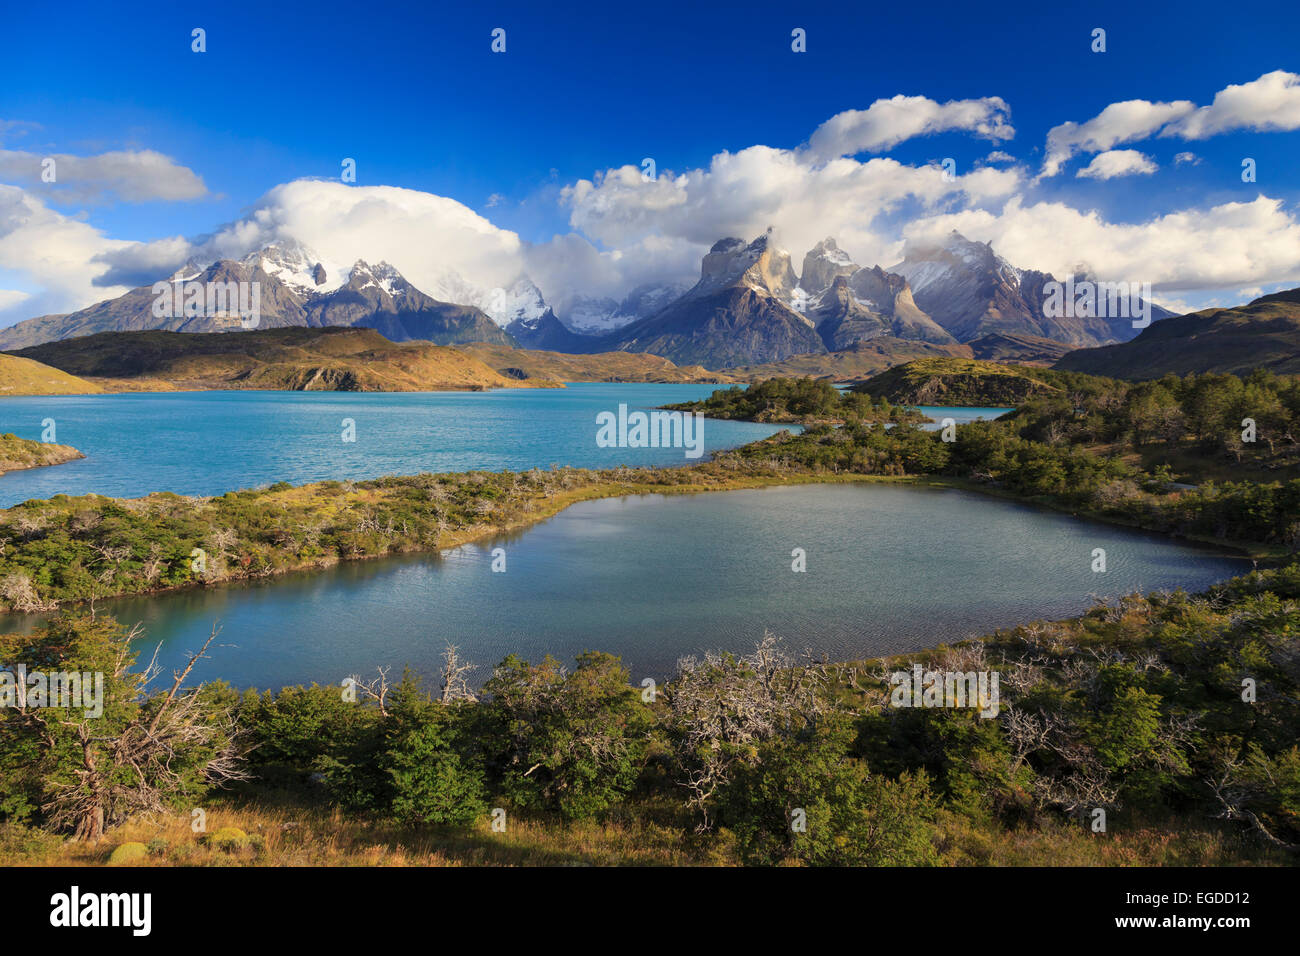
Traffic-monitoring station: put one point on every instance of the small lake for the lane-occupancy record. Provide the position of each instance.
(890, 568)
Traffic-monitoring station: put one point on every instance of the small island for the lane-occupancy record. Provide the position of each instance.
(18, 454)
(799, 401)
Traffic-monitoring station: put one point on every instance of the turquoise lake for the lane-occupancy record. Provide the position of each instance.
(208, 443)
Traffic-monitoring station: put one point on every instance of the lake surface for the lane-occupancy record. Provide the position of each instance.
(890, 568)
(208, 443)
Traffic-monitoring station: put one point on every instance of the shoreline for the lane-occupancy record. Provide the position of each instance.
(553, 504)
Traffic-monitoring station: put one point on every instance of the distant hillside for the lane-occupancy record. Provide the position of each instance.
(956, 381)
(858, 361)
(18, 454)
(298, 359)
(868, 357)
(1018, 348)
(24, 376)
(527, 364)
(1262, 334)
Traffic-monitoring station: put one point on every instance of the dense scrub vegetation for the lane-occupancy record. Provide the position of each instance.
(1115, 450)
(798, 400)
(1138, 708)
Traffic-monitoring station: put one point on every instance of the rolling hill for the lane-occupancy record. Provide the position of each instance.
(955, 381)
(24, 376)
(526, 364)
(296, 359)
(1264, 333)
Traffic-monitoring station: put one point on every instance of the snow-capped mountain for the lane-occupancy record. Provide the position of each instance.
(849, 304)
(295, 288)
(591, 315)
(738, 313)
(821, 265)
(298, 268)
(972, 291)
(520, 308)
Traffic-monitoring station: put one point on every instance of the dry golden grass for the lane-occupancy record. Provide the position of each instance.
(637, 834)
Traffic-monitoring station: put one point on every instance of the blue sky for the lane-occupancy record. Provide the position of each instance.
(417, 98)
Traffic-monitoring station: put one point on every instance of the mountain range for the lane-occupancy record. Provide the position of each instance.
(749, 306)
(296, 289)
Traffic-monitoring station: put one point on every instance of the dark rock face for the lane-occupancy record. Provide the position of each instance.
(737, 314)
(729, 327)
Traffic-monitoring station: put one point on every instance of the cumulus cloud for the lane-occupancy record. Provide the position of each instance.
(1227, 246)
(11, 297)
(742, 193)
(55, 253)
(886, 123)
(1117, 162)
(423, 235)
(1268, 104)
(126, 175)
(1117, 123)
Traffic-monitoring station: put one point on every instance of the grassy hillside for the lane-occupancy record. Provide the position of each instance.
(526, 364)
(956, 381)
(25, 376)
(18, 454)
(1264, 334)
(798, 401)
(298, 359)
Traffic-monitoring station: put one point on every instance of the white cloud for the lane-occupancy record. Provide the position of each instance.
(1117, 162)
(886, 123)
(127, 175)
(1117, 123)
(1268, 104)
(55, 253)
(1184, 158)
(421, 234)
(11, 297)
(742, 193)
(1228, 246)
